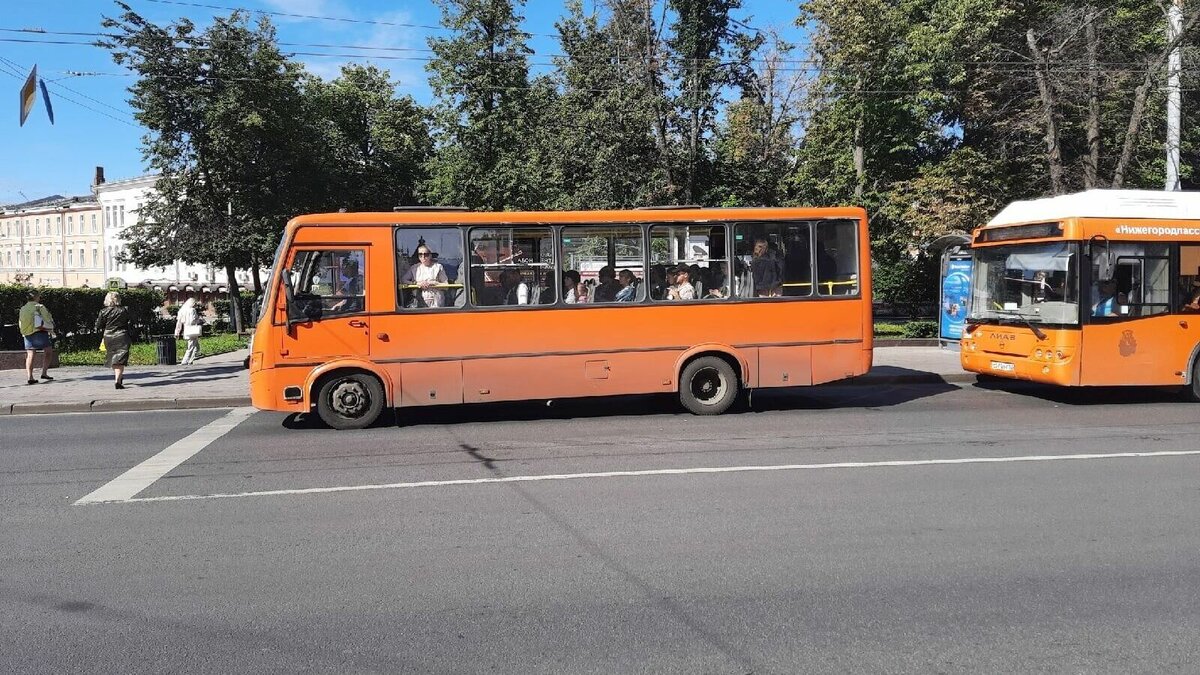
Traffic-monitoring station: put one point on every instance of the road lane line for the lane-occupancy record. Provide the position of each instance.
(670, 472)
(140, 477)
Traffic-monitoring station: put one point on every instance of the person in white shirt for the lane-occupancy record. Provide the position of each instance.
(427, 276)
(682, 289)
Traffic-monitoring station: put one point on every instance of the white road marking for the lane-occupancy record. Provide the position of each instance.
(129, 484)
(669, 472)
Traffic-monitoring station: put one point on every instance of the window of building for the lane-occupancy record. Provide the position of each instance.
(58, 257)
(37, 226)
(603, 264)
(95, 255)
(38, 258)
(512, 266)
(689, 262)
(58, 225)
(70, 224)
(70, 257)
(430, 269)
(94, 230)
(328, 283)
(122, 215)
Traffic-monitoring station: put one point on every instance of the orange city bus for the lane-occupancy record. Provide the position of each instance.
(1094, 288)
(418, 307)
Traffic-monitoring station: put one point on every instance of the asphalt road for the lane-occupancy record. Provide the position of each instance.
(897, 529)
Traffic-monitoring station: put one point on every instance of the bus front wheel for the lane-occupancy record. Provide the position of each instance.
(350, 400)
(708, 386)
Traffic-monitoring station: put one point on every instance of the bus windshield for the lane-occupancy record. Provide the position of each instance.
(1035, 283)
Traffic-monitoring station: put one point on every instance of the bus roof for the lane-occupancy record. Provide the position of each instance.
(1102, 204)
(560, 217)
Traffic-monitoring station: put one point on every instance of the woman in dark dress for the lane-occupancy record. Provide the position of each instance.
(113, 322)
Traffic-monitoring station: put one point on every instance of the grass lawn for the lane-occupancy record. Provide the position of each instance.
(146, 353)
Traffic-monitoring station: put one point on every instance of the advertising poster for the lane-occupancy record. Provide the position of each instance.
(956, 289)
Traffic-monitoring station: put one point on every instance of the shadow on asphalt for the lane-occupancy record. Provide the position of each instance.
(823, 397)
(1084, 396)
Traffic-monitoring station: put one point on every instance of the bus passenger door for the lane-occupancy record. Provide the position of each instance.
(1131, 335)
(326, 306)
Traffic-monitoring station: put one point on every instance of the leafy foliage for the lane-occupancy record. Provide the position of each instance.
(75, 309)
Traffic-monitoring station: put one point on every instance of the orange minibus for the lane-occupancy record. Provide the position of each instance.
(1094, 288)
(420, 307)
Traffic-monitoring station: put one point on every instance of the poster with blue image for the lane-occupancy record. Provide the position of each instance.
(956, 290)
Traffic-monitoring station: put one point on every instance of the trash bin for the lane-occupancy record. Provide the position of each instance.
(166, 350)
(10, 337)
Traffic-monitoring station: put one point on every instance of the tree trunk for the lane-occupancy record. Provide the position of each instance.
(1053, 149)
(1091, 165)
(254, 265)
(860, 152)
(235, 305)
(1139, 101)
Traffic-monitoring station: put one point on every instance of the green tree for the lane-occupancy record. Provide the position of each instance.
(376, 143)
(225, 131)
(480, 78)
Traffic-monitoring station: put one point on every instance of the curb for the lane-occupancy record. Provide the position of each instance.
(125, 405)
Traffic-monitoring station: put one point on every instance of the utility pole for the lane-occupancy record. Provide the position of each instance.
(1174, 66)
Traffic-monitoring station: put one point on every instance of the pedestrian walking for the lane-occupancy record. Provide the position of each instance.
(189, 325)
(37, 328)
(113, 322)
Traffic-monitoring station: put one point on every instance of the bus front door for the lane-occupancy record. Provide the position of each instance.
(325, 307)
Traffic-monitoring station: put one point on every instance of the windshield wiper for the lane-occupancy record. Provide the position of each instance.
(1041, 335)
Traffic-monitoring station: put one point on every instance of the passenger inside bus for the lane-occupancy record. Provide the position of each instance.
(427, 275)
(573, 291)
(629, 286)
(515, 290)
(681, 288)
(609, 286)
(766, 266)
(1107, 305)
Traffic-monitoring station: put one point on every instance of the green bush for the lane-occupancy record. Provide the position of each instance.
(75, 309)
(225, 319)
(921, 329)
(889, 330)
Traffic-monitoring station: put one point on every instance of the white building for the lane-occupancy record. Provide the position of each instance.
(120, 204)
(52, 241)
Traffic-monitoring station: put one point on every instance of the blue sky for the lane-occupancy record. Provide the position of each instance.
(41, 159)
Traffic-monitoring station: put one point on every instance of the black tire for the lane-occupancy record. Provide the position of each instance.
(1191, 391)
(708, 386)
(350, 401)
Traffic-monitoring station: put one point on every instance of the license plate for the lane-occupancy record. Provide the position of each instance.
(1004, 367)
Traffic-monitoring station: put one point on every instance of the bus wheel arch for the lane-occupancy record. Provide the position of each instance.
(1191, 386)
(710, 381)
(348, 396)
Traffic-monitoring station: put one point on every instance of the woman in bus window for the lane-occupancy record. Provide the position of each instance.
(427, 275)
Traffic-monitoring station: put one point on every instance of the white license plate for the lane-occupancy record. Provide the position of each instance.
(1004, 367)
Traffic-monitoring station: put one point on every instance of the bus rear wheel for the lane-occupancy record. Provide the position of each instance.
(350, 401)
(1191, 391)
(708, 386)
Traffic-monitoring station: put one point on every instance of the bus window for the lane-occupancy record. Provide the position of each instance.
(435, 280)
(329, 283)
(512, 266)
(1140, 282)
(609, 261)
(837, 257)
(701, 250)
(773, 259)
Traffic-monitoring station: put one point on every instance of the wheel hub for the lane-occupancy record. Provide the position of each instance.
(350, 399)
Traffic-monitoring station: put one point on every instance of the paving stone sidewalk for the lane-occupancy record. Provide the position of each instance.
(221, 381)
(213, 382)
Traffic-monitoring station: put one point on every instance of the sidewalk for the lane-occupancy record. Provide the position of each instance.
(221, 382)
(213, 382)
